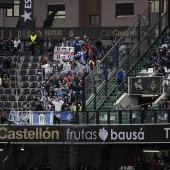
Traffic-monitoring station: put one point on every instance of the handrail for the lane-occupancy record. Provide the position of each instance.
(116, 87)
(150, 3)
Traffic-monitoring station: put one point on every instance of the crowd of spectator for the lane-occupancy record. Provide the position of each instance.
(155, 163)
(62, 85)
(160, 58)
(36, 166)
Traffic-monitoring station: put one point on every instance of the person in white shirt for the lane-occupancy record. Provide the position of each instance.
(66, 68)
(47, 68)
(57, 102)
(81, 68)
(17, 45)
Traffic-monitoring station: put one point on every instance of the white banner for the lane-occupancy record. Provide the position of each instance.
(66, 53)
(31, 117)
(19, 117)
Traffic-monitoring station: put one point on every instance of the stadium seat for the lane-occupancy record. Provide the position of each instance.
(33, 78)
(40, 72)
(22, 98)
(1, 91)
(25, 85)
(26, 91)
(17, 105)
(39, 78)
(12, 72)
(17, 91)
(26, 60)
(14, 78)
(33, 104)
(14, 65)
(17, 59)
(33, 66)
(25, 66)
(23, 72)
(4, 98)
(33, 85)
(1, 104)
(12, 98)
(24, 78)
(8, 91)
(35, 60)
(7, 105)
(30, 98)
(31, 72)
(14, 84)
(33, 91)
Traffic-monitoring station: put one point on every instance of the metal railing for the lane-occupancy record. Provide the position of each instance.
(104, 117)
(124, 52)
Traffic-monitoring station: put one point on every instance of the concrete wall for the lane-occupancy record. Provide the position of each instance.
(78, 12)
(126, 100)
(108, 13)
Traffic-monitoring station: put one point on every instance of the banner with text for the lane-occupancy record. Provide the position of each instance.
(62, 53)
(93, 134)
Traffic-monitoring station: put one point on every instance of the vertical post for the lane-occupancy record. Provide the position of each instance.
(120, 117)
(77, 96)
(139, 34)
(155, 116)
(160, 11)
(87, 117)
(142, 116)
(97, 117)
(84, 95)
(130, 116)
(94, 90)
(168, 6)
(168, 116)
(106, 79)
(108, 117)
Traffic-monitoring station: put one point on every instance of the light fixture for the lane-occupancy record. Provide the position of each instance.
(22, 148)
(151, 151)
(1, 150)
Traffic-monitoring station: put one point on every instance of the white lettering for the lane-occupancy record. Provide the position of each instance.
(28, 3)
(167, 129)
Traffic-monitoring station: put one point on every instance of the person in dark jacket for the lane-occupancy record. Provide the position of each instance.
(120, 77)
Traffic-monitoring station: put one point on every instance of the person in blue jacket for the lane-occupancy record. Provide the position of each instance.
(120, 77)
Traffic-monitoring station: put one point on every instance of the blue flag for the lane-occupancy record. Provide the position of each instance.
(65, 115)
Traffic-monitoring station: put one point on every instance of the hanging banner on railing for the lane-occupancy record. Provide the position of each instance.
(66, 53)
(145, 85)
(38, 117)
(31, 117)
(65, 115)
(42, 118)
(19, 117)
